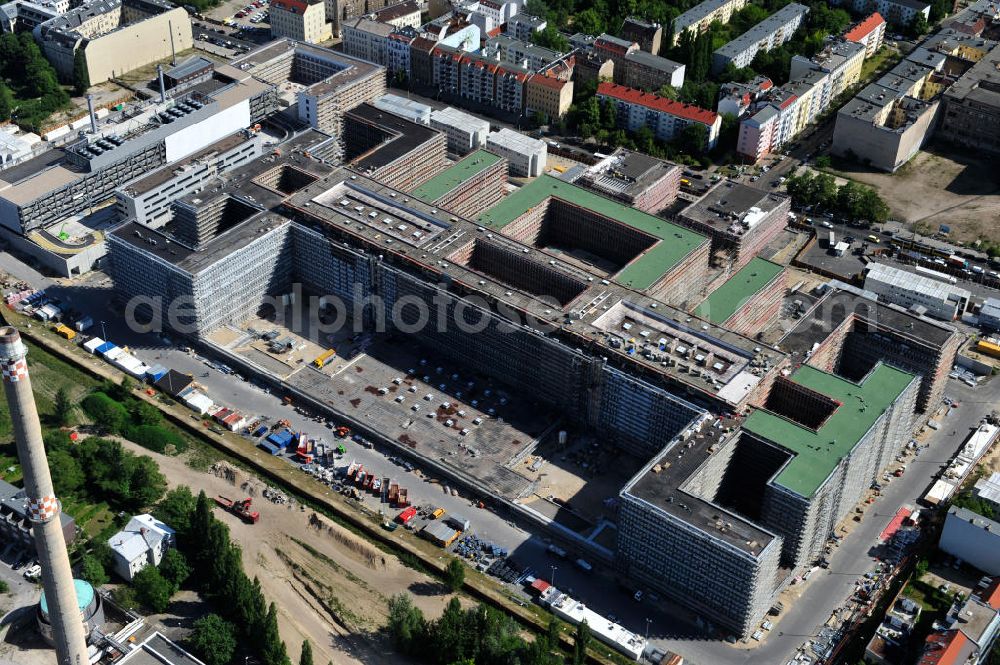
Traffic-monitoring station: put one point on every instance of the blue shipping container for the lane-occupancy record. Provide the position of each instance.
(261, 431)
(274, 450)
(281, 439)
(155, 373)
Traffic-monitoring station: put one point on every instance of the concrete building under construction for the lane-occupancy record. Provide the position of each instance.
(848, 333)
(741, 220)
(569, 300)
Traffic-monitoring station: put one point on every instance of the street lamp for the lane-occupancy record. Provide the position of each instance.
(104, 332)
(552, 580)
(648, 621)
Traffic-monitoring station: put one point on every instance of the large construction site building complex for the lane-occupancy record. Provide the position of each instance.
(580, 305)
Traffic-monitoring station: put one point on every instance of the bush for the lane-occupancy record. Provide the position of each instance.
(214, 639)
(156, 438)
(152, 589)
(93, 571)
(108, 415)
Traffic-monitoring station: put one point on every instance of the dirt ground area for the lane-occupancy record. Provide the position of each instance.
(941, 187)
(330, 586)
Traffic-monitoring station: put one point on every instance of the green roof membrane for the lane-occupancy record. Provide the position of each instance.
(818, 452)
(459, 172)
(745, 284)
(674, 242)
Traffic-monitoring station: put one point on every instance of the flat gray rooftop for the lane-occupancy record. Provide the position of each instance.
(660, 486)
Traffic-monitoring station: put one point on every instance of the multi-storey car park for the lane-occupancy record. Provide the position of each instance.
(555, 308)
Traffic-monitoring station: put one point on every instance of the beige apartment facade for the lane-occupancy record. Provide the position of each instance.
(301, 20)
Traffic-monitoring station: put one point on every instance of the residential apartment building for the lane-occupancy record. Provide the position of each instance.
(973, 538)
(340, 11)
(736, 98)
(647, 34)
(301, 20)
(698, 18)
(402, 15)
(781, 113)
(516, 52)
(770, 33)
(665, 117)
(635, 68)
(397, 52)
(464, 132)
(889, 120)
(115, 37)
(590, 67)
(870, 32)
(898, 12)
(525, 156)
(367, 39)
(485, 81)
(523, 26)
(549, 96)
(646, 71)
(940, 300)
(971, 113)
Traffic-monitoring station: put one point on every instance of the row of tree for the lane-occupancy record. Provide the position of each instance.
(217, 573)
(29, 87)
(479, 635)
(857, 203)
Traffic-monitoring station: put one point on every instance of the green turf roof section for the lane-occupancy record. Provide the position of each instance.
(817, 452)
(673, 244)
(741, 287)
(459, 172)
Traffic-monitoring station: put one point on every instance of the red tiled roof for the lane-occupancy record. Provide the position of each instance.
(943, 648)
(784, 105)
(548, 82)
(610, 46)
(766, 84)
(865, 28)
(657, 103)
(297, 6)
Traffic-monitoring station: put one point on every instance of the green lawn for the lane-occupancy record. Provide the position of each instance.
(48, 374)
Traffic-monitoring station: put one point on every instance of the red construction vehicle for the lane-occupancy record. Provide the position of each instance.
(406, 515)
(343, 432)
(239, 508)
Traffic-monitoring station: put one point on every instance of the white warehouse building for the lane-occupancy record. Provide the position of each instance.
(923, 294)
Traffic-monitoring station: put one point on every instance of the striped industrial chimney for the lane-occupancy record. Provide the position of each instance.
(43, 507)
